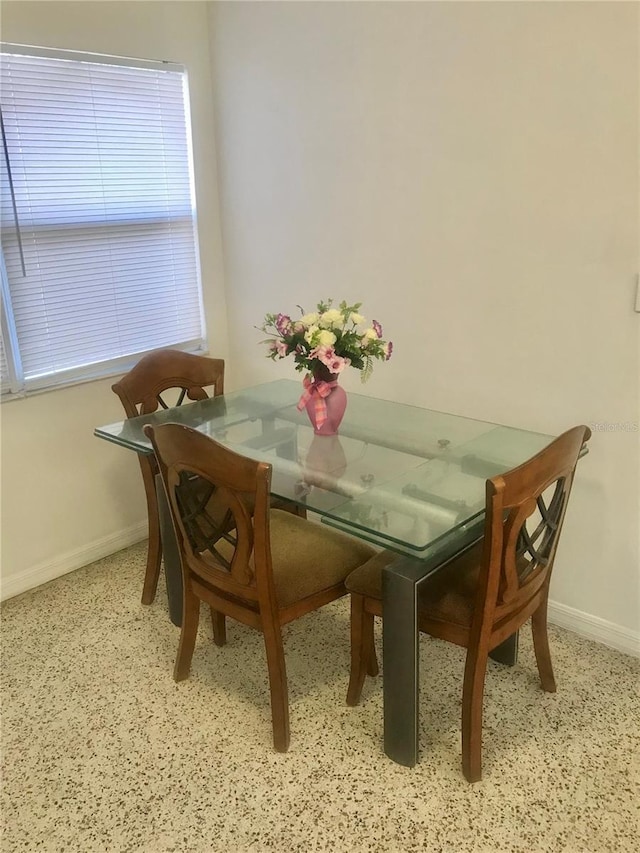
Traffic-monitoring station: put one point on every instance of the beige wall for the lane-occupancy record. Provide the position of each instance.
(67, 497)
(470, 172)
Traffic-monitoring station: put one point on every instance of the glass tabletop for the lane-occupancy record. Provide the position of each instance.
(406, 478)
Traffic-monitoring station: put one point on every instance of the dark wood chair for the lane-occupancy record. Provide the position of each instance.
(484, 595)
(181, 377)
(261, 566)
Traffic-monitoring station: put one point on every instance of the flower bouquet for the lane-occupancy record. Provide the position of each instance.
(323, 343)
(328, 336)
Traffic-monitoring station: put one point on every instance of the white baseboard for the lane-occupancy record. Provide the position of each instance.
(73, 560)
(594, 628)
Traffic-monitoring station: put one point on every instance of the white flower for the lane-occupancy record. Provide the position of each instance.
(310, 319)
(326, 338)
(370, 335)
(330, 318)
(356, 318)
(311, 332)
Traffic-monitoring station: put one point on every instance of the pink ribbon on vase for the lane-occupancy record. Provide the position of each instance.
(316, 390)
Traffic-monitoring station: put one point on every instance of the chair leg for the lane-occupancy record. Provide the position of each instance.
(361, 648)
(541, 647)
(472, 699)
(154, 557)
(277, 686)
(188, 634)
(218, 622)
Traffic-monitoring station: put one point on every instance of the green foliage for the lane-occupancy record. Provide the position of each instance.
(333, 337)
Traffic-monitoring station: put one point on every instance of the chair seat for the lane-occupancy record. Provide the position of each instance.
(447, 596)
(307, 557)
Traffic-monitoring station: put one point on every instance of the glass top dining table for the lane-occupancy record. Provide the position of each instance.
(401, 476)
(405, 478)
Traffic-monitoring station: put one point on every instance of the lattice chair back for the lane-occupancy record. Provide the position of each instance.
(141, 390)
(220, 506)
(525, 513)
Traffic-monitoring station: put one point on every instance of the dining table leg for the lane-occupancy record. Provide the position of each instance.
(400, 662)
(401, 581)
(401, 657)
(170, 555)
(507, 651)
(401, 654)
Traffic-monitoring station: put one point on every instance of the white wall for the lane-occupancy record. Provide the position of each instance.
(67, 497)
(470, 172)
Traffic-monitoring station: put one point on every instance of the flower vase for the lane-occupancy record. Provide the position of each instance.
(325, 401)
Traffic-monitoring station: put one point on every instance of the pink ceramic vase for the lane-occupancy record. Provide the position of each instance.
(333, 402)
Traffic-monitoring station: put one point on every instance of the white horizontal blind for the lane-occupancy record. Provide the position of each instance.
(99, 161)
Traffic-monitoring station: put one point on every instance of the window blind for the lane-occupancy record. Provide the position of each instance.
(97, 212)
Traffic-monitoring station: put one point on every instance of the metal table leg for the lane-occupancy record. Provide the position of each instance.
(400, 665)
(507, 651)
(400, 652)
(170, 555)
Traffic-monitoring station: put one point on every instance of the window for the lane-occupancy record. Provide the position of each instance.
(99, 257)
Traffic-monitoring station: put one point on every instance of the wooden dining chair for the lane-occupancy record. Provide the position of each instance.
(181, 377)
(484, 595)
(261, 566)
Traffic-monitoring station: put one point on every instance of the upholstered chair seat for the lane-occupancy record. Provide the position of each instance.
(447, 596)
(295, 546)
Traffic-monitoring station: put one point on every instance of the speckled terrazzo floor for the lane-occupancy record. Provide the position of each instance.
(102, 751)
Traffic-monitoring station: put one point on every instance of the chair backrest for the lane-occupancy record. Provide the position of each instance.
(525, 511)
(220, 506)
(157, 372)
